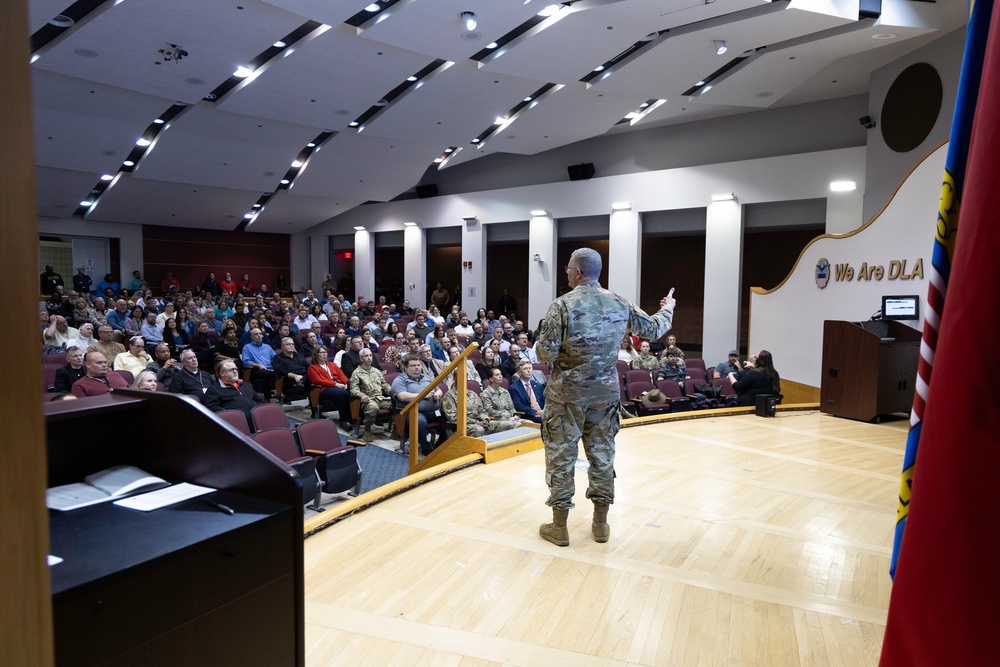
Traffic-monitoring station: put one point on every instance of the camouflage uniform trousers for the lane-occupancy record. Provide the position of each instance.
(563, 426)
(370, 409)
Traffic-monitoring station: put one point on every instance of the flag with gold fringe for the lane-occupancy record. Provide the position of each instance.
(945, 594)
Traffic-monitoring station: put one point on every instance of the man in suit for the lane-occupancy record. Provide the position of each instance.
(527, 393)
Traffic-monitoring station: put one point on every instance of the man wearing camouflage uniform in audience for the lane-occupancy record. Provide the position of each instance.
(477, 420)
(580, 336)
(368, 384)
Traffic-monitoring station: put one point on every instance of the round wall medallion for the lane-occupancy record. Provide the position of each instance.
(911, 107)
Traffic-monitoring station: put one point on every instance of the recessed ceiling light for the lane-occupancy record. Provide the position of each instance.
(550, 10)
(409, 224)
(62, 21)
(644, 105)
(499, 120)
(297, 164)
(142, 142)
(411, 79)
(720, 46)
(528, 98)
(256, 205)
(310, 145)
(374, 7)
(279, 44)
(353, 123)
(248, 215)
(86, 204)
(448, 150)
(492, 45)
(359, 229)
(884, 35)
(469, 18)
(723, 196)
(159, 121)
(381, 103)
(476, 140)
(621, 206)
(284, 181)
(599, 68)
(128, 163)
(242, 72)
(107, 177)
(539, 213)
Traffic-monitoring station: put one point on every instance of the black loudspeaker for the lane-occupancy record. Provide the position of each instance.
(766, 405)
(581, 172)
(425, 191)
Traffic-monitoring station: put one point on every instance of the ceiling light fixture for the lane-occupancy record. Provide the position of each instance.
(720, 46)
(406, 224)
(359, 229)
(469, 18)
(621, 206)
(142, 142)
(128, 163)
(724, 196)
(539, 213)
(373, 7)
(550, 10)
(242, 72)
(843, 186)
(107, 177)
(297, 164)
(279, 44)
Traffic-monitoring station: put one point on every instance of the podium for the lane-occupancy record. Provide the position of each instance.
(186, 584)
(869, 368)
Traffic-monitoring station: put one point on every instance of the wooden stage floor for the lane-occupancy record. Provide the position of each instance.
(734, 541)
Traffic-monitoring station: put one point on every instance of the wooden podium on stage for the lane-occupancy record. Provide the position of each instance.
(869, 368)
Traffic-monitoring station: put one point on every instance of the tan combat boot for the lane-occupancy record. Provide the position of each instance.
(368, 433)
(600, 527)
(556, 532)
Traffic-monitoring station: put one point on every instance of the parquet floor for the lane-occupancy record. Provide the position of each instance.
(735, 541)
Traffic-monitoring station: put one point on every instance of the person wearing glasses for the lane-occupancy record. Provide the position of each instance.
(579, 337)
(230, 392)
(134, 359)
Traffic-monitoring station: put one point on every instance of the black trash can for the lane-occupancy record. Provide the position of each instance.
(766, 405)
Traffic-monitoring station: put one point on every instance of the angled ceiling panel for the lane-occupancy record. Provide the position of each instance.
(60, 191)
(324, 11)
(146, 202)
(289, 214)
(121, 46)
(452, 108)
(328, 82)
(352, 166)
(41, 12)
(219, 149)
(82, 125)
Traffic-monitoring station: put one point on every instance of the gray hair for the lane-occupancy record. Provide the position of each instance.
(588, 261)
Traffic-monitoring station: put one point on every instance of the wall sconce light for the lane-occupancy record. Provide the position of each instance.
(621, 206)
(539, 213)
(470, 219)
(409, 224)
(724, 196)
(538, 258)
(359, 229)
(843, 186)
(720, 46)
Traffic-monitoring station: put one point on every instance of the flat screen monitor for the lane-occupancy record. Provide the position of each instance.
(901, 307)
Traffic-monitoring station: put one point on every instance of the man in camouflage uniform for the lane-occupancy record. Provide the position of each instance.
(645, 361)
(477, 420)
(580, 336)
(368, 384)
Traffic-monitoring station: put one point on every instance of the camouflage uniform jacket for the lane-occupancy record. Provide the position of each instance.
(580, 336)
(649, 363)
(497, 403)
(473, 406)
(370, 382)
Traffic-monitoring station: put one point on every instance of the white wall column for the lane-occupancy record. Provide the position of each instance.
(414, 266)
(624, 251)
(844, 210)
(300, 256)
(364, 263)
(313, 274)
(723, 267)
(542, 272)
(473, 266)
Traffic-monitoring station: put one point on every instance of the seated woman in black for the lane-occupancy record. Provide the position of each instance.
(759, 377)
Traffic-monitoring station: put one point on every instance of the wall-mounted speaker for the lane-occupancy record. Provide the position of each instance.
(580, 172)
(425, 191)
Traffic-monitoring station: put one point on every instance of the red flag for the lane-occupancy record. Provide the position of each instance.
(945, 604)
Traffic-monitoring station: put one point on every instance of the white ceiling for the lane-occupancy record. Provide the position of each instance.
(98, 86)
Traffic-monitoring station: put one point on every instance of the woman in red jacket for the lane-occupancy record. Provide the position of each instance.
(324, 373)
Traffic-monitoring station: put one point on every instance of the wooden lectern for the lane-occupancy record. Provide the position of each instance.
(869, 368)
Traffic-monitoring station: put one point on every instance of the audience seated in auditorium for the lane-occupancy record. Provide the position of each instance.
(497, 401)
(527, 393)
(405, 388)
(511, 361)
(257, 357)
(351, 358)
(478, 422)
(231, 393)
(672, 345)
(74, 369)
(758, 377)
(59, 333)
(163, 365)
(229, 348)
(731, 365)
(326, 374)
(368, 384)
(145, 380)
(672, 368)
(105, 343)
(291, 368)
(189, 380)
(626, 352)
(645, 361)
(134, 359)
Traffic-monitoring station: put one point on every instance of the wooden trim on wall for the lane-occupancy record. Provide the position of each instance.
(26, 603)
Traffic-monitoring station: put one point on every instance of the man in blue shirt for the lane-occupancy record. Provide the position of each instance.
(257, 357)
(405, 388)
(117, 317)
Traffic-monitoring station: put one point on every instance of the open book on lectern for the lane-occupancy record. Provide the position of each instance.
(101, 487)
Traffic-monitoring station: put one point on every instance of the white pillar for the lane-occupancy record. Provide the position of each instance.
(542, 270)
(624, 251)
(414, 266)
(473, 266)
(301, 260)
(364, 263)
(723, 267)
(319, 265)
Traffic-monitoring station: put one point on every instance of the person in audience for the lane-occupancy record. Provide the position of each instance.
(672, 368)
(189, 380)
(488, 362)
(281, 284)
(391, 330)
(731, 365)
(97, 381)
(368, 384)
(117, 318)
(434, 338)
(231, 393)
(168, 313)
(105, 343)
(133, 325)
(420, 326)
(258, 357)
(367, 340)
(291, 368)
(646, 360)
(99, 316)
(758, 377)
(81, 281)
(308, 344)
(479, 336)
(151, 331)
(136, 282)
(504, 344)
(672, 346)
(164, 365)
(351, 358)
(326, 374)
(109, 283)
(67, 375)
(59, 333)
(405, 388)
(441, 297)
(477, 420)
(82, 312)
(510, 364)
(185, 323)
(85, 337)
(464, 327)
(497, 402)
(316, 310)
(376, 327)
(169, 284)
(134, 359)
(246, 286)
(229, 348)
(525, 348)
(393, 353)
(145, 380)
(210, 285)
(429, 364)
(353, 327)
(228, 286)
(471, 373)
(527, 393)
(204, 342)
(214, 324)
(626, 352)
(303, 322)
